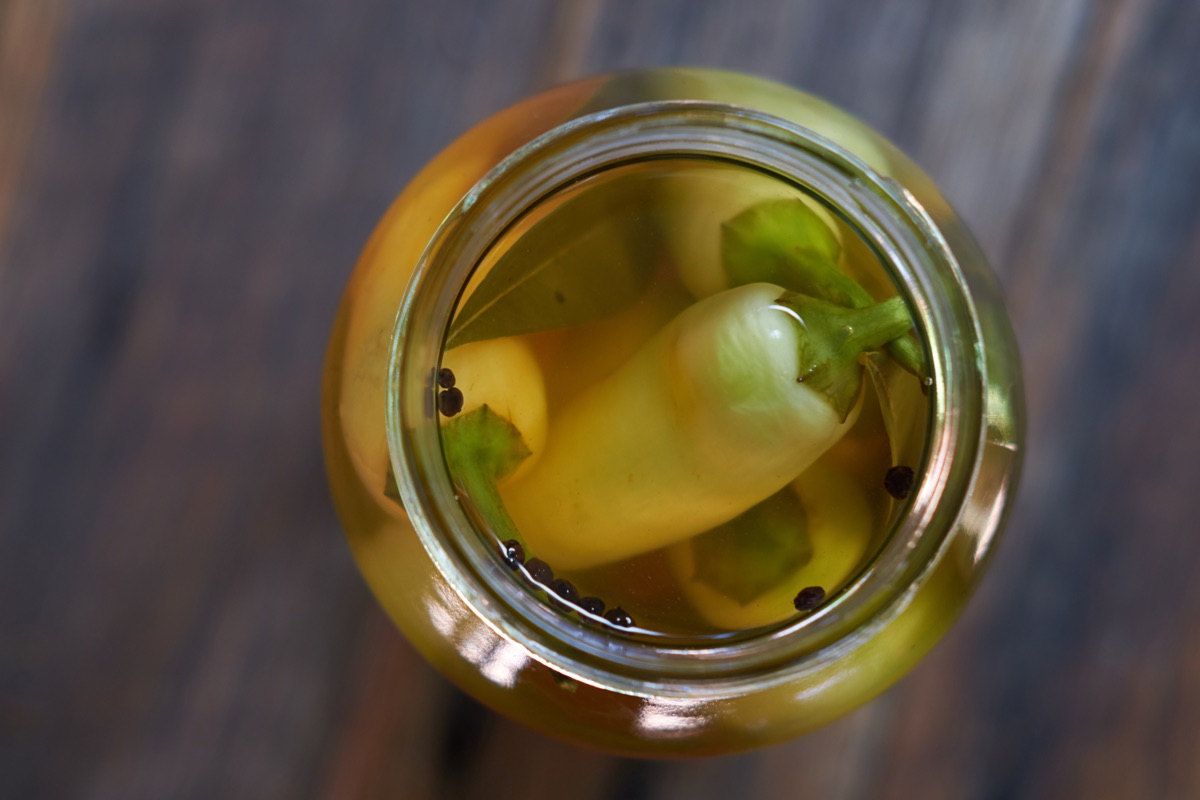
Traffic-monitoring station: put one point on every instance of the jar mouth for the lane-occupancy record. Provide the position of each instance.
(912, 249)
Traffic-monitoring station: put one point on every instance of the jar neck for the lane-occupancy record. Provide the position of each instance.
(888, 218)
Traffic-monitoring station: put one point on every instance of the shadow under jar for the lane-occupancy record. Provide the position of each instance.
(672, 413)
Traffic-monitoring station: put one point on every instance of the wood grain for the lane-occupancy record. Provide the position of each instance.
(27, 38)
(183, 188)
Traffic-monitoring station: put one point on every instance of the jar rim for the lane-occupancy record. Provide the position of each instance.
(922, 265)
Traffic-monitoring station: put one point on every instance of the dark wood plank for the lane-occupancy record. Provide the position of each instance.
(184, 186)
(28, 30)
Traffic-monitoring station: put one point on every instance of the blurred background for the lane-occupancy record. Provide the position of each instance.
(184, 187)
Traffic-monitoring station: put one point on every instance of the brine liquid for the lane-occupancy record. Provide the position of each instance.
(610, 279)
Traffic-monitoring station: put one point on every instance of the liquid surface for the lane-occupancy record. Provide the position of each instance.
(656, 456)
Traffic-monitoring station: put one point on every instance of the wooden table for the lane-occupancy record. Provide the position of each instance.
(184, 185)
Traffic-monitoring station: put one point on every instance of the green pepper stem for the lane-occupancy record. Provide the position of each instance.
(482, 447)
(835, 338)
(785, 242)
(873, 327)
(481, 489)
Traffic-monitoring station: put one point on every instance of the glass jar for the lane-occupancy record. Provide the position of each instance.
(440, 580)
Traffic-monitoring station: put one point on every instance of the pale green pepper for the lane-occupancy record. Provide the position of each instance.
(725, 406)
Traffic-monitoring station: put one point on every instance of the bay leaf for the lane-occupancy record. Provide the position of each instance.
(481, 447)
(587, 259)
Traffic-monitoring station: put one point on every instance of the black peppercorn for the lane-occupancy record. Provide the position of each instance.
(618, 617)
(565, 589)
(809, 598)
(512, 553)
(899, 482)
(540, 571)
(592, 605)
(450, 401)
